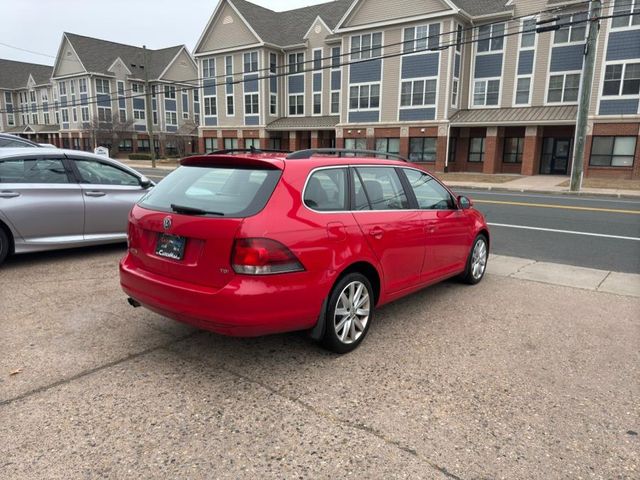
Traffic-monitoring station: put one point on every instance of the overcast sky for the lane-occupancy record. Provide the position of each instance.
(37, 25)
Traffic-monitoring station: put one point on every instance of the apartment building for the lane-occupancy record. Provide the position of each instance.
(461, 85)
(95, 95)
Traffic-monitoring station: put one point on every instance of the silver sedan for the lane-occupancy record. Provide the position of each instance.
(52, 198)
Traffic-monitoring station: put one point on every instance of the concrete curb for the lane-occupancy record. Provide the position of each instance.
(617, 283)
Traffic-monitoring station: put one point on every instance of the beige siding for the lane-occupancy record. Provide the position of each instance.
(182, 69)
(600, 61)
(541, 68)
(371, 11)
(68, 62)
(390, 77)
(317, 40)
(227, 30)
(510, 64)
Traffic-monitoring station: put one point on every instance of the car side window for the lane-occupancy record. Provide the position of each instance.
(383, 188)
(326, 190)
(361, 200)
(33, 170)
(10, 143)
(429, 193)
(98, 173)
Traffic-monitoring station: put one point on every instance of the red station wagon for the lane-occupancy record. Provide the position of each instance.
(249, 243)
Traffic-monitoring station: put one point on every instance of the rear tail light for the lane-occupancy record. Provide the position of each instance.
(263, 256)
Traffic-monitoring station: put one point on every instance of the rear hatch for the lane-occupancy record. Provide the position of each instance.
(184, 229)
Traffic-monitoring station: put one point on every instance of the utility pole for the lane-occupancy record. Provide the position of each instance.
(585, 96)
(148, 110)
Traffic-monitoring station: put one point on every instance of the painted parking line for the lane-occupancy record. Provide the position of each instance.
(554, 230)
(576, 198)
(561, 207)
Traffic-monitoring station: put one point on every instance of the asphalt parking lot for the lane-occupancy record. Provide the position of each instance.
(508, 379)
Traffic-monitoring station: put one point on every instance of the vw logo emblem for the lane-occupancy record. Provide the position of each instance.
(166, 223)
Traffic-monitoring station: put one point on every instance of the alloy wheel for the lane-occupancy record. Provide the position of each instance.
(479, 259)
(352, 312)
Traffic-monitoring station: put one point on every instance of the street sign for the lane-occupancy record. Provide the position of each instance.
(101, 151)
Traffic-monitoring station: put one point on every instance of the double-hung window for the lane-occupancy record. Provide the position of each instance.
(527, 47)
(251, 106)
(418, 93)
(364, 97)
(210, 107)
(421, 38)
(621, 79)
(102, 86)
(626, 13)
(296, 62)
(486, 92)
(296, 104)
(490, 38)
(563, 88)
(573, 29)
(170, 92)
(250, 61)
(229, 87)
(368, 45)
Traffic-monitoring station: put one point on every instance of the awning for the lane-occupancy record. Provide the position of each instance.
(304, 123)
(555, 115)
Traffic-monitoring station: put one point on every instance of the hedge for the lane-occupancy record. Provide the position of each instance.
(139, 156)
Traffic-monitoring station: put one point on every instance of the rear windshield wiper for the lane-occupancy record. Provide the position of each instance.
(193, 211)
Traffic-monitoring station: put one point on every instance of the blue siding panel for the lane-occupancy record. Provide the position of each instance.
(210, 121)
(65, 126)
(83, 99)
(154, 104)
(564, 59)
(170, 105)
(185, 103)
(416, 66)
(525, 62)
(63, 101)
(317, 82)
(456, 67)
(251, 83)
(624, 45)
(363, 72)
(360, 117)
(172, 128)
(336, 80)
(619, 107)
(209, 87)
(122, 103)
(488, 66)
(196, 107)
(138, 103)
(296, 84)
(414, 114)
(251, 120)
(103, 100)
(229, 86)
(273, 84)
(140, 128)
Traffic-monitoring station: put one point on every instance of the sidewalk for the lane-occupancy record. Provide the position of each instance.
(533, 184)
(618, 283)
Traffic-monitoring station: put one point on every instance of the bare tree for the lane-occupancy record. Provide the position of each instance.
(108, 132)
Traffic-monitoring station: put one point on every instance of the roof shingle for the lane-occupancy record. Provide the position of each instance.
(15, 75)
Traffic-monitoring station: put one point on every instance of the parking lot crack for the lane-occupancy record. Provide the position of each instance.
(337, 420)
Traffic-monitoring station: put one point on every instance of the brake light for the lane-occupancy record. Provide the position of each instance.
(263, 256)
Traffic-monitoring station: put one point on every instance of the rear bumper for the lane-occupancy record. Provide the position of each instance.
(245, 307)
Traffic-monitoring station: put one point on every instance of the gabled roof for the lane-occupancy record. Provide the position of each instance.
(289, 27)
(14, 75)
(98, 56)
(478, 8)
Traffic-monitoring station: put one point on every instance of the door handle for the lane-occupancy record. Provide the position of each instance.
(376, 232)
(8, 194)
(94, 193)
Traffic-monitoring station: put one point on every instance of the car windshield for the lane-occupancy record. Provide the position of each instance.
(223, 191)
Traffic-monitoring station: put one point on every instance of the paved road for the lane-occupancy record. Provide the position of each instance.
(595, 232)
(508, 379)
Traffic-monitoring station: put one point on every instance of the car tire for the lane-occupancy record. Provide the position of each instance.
(477, 261)
(349, 313)
(4, 245)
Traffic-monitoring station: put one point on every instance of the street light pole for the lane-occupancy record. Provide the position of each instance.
(148, 110)
(585, 97)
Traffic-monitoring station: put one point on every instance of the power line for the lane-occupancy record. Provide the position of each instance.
(28, 109)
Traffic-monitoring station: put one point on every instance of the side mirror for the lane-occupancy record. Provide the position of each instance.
(464, 203)
(145, 183)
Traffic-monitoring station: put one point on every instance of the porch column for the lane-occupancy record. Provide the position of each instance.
(294, 141)
(491, 151)
(531, 151)
(264, 139)
(339, 138)
(315, 141)
(441, 148)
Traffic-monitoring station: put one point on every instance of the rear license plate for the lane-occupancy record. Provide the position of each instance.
(170, 246)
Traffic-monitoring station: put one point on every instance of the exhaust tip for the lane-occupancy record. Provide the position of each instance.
(134, 303)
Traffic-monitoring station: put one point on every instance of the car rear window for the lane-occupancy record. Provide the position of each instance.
(232, 192)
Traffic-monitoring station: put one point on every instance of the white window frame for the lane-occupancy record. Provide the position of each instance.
(84, 114)
(171, 118)
(82, 85)
(251, 103)
(414, 42)
(296, 96)
(491, 36)
(101, 89)
(619, 95)
(297, 66)
(62, 88)
(472, 96)
(313, 59)
(244, 62)
(208, 67)
(412, 81)
(571, 27)
(633, 5)
(457, 52)
(170, 92)
(185, 113)
(228, 70)
(564, 82)
(273, 111)
(313, 104)
(515, 91)
(521, 49)
(369, 51)
(65, 115)
(74, 115)
(360, 86)
(210, 102)
(339, 90)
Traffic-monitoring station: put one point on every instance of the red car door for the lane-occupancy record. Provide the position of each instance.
(393, 231)
(447, 229)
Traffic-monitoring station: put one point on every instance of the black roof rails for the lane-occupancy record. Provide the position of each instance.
(342, 152)
(246, 150)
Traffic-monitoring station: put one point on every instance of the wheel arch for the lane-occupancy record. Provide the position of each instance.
(5, 228)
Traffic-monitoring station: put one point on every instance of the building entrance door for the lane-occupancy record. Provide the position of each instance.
(556, 155)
